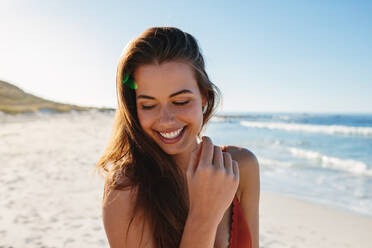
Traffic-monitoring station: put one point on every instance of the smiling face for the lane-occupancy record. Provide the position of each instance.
(169, 105)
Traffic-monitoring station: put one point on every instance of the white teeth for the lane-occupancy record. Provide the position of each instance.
(171, 135)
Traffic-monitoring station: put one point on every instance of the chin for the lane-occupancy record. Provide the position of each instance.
(171, 152)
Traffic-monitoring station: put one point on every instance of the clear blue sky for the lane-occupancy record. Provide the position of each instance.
(278, 56)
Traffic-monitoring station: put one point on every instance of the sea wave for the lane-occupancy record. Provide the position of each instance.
(349, 165)
(273, 162)
(328, 129)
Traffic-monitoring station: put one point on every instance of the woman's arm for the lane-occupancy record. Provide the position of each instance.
(117, 211)
(250, 192)
(199, 233)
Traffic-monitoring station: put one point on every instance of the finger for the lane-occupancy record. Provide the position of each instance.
(218, 158)
(235, 167)
(227, 162)
(206, 154)
(194, 159)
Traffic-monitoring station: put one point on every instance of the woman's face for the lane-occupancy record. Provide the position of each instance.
(169, 105)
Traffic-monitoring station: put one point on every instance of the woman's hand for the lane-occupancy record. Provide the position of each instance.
(212, 179)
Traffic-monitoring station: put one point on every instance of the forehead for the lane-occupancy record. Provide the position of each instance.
(164, 79)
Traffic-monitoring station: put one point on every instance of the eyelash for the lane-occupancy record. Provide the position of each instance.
(176, 103)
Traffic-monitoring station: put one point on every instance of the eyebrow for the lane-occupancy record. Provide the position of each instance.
(171, 95)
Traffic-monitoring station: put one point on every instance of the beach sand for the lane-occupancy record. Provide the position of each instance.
(50, 198)
(289, 222)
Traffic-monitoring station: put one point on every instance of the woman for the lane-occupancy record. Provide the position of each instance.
(163, 188)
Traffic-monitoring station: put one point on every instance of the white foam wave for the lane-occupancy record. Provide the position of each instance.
(328, 129)
(272, 162)
(217, 119)
(348, 165)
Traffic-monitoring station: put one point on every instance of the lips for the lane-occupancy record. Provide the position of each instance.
(172, 140)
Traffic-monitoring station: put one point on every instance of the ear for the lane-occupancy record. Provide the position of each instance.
(204, 101)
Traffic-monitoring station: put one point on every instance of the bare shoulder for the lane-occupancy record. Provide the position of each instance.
(123, 227)
(241, 153)
(248, 166)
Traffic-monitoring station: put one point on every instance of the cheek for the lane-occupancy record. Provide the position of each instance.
(192, 113)
(145, 118)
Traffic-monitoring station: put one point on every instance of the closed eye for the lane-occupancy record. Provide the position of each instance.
(176, 103)
(181, 103)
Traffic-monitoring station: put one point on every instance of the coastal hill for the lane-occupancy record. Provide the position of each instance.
(14, 100)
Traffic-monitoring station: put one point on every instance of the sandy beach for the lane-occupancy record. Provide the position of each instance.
(288, 222)
(50, 198)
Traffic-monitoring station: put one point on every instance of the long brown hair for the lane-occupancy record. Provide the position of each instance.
(161, 187)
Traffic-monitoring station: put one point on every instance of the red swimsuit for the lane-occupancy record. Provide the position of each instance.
(240, 236)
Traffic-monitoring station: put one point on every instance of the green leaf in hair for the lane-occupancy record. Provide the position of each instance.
(125, 78)
(130, 82)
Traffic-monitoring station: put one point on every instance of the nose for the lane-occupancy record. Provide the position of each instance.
(166, 115)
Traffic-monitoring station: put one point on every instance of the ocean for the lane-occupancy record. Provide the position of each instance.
(321, 158)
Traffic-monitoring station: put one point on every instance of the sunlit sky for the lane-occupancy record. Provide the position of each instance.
(272, 56)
